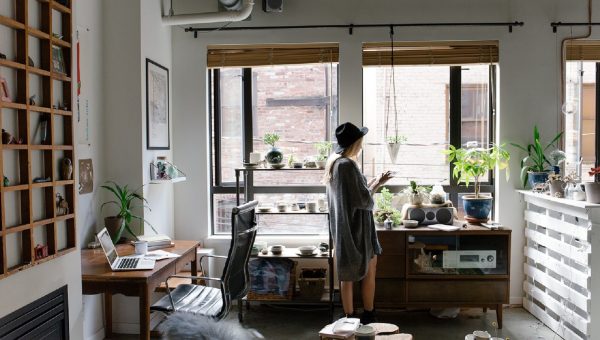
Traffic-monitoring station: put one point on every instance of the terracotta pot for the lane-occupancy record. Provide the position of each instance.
(113, 224)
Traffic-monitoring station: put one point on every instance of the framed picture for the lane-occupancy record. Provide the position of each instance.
(157, 106)
(58, 61)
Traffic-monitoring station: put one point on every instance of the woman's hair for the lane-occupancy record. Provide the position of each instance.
(350, 152)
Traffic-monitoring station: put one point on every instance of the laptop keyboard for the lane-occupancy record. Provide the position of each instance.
(128, 263)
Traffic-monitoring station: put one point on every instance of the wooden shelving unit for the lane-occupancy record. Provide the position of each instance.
(29, 210)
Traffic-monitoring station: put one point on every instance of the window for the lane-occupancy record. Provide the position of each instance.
(436, 105)
(294, 96)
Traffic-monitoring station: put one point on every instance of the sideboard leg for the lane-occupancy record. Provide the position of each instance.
(499, 315)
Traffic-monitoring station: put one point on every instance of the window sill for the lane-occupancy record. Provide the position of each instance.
(285, 239)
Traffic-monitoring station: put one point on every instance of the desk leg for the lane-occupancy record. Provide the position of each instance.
(194, 266)
(145, 313)
(499, 315)
(108, 314)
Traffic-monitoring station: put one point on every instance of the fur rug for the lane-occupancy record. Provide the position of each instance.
(187, 326)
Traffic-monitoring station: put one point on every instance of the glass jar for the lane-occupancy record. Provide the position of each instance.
(437, 195)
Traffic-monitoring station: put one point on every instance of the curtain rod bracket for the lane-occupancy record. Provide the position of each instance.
(391, 29)
(351, 29)
(195, 34)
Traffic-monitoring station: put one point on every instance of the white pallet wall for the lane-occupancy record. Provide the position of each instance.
(559, 262)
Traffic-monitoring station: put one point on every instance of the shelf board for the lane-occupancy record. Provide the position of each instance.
(16, 229)
(61, 77)
(162, 181)
(60, 42)
(50, 147)
(14, 146)
(11, 64)
(34, 32)
(42, 184)
(42, 222)
(60, 8)
(23, 266)
(38, 71)
(282, 169)
(64, 217)
(64, 182)
(11, 105)
(40, 109)
(62, 112)
(18, 187)
(12, 23)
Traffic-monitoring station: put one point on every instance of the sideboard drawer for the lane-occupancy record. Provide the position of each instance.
(391, 266)
(393, 242)
(468, 291)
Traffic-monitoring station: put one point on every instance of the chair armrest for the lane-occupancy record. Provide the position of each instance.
(209, 255)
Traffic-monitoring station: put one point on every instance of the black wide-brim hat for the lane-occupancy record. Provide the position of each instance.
(346, 134)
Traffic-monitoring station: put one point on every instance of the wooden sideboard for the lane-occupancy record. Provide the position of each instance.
(479, 281)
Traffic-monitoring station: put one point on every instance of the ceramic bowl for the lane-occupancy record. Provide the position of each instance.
(410, 223)
(307, 250)
(277, 249)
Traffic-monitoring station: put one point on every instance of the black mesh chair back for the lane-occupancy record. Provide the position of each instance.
(236, 278)
(234, 282)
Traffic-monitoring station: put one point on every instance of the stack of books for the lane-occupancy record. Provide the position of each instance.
(157, 241)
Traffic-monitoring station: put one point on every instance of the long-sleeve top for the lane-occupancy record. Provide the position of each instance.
(351, 220)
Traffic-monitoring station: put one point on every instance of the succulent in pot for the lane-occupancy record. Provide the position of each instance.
(417, 194)
(471, 164)
(274, 155)
(324, 149)
(557, 185)
(535, 166)
(393, 146)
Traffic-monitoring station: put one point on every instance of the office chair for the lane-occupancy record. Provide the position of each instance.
(234, 282)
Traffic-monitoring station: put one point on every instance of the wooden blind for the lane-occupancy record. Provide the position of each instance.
(431, 53)
(260, 55)
(583, 50)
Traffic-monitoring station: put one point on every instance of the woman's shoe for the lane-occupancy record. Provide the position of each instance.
(368, 316)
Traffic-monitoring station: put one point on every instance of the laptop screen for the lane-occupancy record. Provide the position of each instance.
(107, 246)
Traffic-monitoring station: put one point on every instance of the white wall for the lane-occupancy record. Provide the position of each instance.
(529, 81)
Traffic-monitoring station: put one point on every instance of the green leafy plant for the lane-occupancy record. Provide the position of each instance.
(271, 138)
(385, 209)
(398, 139)
(125, 199)
(324, 149)
(415, 189)
(472, 163)
(536, 159)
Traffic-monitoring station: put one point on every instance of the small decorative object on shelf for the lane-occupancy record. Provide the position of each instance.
(2, 56)
(7, 138)
(66, 169)
(417, 193)
(42, 127)
(30, 62)
(557, 185)
(58, 62)
(4, 92)
(41, 180)
(32, 100)
(41, 251)
(5, 181)
(62, 206)
(162, 170)
(437, 195)
(57, 36)
(273, 156)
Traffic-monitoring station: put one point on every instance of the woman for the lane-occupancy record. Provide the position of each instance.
(351, 219)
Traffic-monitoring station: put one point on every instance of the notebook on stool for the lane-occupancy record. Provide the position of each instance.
(118, 263)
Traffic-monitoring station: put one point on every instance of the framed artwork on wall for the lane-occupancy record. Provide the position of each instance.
(157, 106)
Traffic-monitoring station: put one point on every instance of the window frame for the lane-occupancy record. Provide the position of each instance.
(246, 183)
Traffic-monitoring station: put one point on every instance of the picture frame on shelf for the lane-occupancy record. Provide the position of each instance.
(58, 60)
(157, 106)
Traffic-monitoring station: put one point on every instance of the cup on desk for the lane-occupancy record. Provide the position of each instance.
(141, 247)
(311, 207)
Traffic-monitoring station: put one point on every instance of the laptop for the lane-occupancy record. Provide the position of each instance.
(118, 263)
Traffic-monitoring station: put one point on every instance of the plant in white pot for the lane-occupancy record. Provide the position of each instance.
(417, 194)
(384, 208)
(126, 201)
(393, 146)
(471, 164)
(324, 149)
(592, 189)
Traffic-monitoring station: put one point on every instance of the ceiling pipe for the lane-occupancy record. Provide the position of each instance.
(207, 18)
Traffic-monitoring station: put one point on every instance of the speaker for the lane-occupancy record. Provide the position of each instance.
(431, 215)
(272, 5)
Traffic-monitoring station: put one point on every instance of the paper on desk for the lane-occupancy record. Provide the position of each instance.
(160, 255)
(444, 227)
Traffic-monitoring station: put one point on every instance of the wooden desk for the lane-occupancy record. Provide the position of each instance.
(97, 278)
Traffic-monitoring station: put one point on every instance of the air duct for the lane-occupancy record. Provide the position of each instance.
(207, 18)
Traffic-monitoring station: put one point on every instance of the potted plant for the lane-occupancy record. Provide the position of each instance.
(470, 165)
(417, 194)
(534, 167)
(592, 189)
(273, 156)
(557, 185)
(324, 149)
(125, 200)
(393, 146)
(385, 210)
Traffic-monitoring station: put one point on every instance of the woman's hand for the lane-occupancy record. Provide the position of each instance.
(380, 180)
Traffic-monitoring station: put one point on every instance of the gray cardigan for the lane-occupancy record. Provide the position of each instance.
(351, 220)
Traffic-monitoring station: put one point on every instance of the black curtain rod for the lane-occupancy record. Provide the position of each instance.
(351, 27)
(555, 25)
